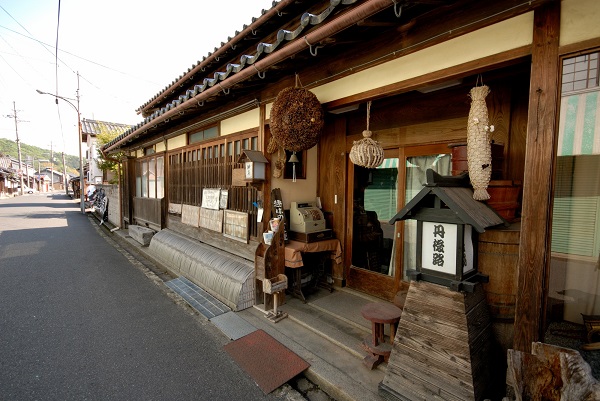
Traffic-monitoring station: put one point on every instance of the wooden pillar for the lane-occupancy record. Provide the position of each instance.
(537, 183)
(128, 189)
(332, 182)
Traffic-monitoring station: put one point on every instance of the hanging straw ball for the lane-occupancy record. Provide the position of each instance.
(297, 119)
(366, 152)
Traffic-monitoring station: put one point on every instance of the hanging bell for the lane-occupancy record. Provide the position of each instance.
(294, 160)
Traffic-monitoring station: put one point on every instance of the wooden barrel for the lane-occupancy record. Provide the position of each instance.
(460, 165)
(498, 258)
(505, 198)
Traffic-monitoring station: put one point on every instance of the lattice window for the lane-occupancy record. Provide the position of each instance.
(580, 73)
(209, 165)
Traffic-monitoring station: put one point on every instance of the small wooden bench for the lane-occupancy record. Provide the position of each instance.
(380, 314)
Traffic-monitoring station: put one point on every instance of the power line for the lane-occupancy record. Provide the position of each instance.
(19, 54)
(80, 57)
(56, 51)
(44, 45)
(15, 71)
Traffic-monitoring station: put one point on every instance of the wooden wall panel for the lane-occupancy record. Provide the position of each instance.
(514, 153)
(332, 180)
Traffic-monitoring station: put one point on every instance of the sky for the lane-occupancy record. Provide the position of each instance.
(124, 51)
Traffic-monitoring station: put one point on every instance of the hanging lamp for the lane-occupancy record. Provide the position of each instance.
(367, 152)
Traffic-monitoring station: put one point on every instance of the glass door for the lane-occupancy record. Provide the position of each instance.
(375, 203)
(417, 160)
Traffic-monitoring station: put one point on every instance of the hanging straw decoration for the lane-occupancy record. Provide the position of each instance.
(367, 152)
(479, 148)
(279, 163)
(297, 118)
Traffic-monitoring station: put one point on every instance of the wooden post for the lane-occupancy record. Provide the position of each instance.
(537, 183)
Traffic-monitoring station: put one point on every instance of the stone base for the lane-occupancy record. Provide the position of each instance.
(143, 235)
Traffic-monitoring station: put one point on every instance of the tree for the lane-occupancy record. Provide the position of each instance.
(108, 164)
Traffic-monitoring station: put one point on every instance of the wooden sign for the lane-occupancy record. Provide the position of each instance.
(277, 210)
(211, 198)
(211, 219)
(235, 225)
(223, 200)
(190, 215)
(175, 208)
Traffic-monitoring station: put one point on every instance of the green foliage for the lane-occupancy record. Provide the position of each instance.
(33, 153)
(102, 138)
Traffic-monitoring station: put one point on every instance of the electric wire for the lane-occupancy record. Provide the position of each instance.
(79, 57)
(20, 56)
(44, 45)
(56, 52)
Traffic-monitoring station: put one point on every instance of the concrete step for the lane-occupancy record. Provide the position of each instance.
(336, 329)
(332, 350)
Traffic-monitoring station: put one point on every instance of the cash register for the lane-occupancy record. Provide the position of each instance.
(307, 223)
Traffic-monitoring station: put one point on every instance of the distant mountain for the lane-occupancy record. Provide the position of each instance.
(33, 154)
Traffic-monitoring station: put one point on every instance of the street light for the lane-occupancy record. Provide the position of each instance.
(81, 179)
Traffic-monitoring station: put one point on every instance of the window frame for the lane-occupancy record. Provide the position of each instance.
(143, 187)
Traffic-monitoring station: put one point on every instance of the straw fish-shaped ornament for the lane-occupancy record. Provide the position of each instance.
(479, 148)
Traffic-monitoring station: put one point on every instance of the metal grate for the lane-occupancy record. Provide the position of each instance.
(232, 325)
(197, 298)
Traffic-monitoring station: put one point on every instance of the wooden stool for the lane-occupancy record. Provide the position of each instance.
(380, 314)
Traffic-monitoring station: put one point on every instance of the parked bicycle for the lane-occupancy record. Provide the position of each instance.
(99, 204)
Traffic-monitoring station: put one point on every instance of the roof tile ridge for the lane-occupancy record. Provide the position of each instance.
(232, 42)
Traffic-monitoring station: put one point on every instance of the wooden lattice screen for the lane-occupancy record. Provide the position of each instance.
(210, 165)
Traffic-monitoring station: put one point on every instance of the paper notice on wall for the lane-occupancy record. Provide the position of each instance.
(259, 214)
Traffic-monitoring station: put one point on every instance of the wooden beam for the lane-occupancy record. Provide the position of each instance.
(496, 61)
(537, 184)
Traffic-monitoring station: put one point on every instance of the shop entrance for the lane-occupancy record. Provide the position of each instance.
(379, 249)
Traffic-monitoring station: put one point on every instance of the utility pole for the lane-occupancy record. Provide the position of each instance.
(27, 170)
(14, 115)
(51, 167)
(81, 176)
(65, 180)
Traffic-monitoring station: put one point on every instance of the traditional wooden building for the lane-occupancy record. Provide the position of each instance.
(415, 62)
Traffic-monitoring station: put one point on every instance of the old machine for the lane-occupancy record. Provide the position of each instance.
(307, 223)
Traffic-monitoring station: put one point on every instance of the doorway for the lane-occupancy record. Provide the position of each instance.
(379, 249)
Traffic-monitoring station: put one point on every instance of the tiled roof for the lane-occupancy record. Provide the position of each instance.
(245, 61)
(95, 127)
(214, 55)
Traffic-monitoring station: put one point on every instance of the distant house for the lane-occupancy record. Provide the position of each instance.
(90, 129)
(52, 178)
(10, 178)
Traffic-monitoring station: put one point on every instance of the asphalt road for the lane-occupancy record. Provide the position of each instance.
(78, 321)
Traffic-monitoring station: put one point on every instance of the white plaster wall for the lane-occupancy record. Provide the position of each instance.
(241, 122)
(301, 190)
(177, 142)
(579, 21)
(160, 147)
(497, 38)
